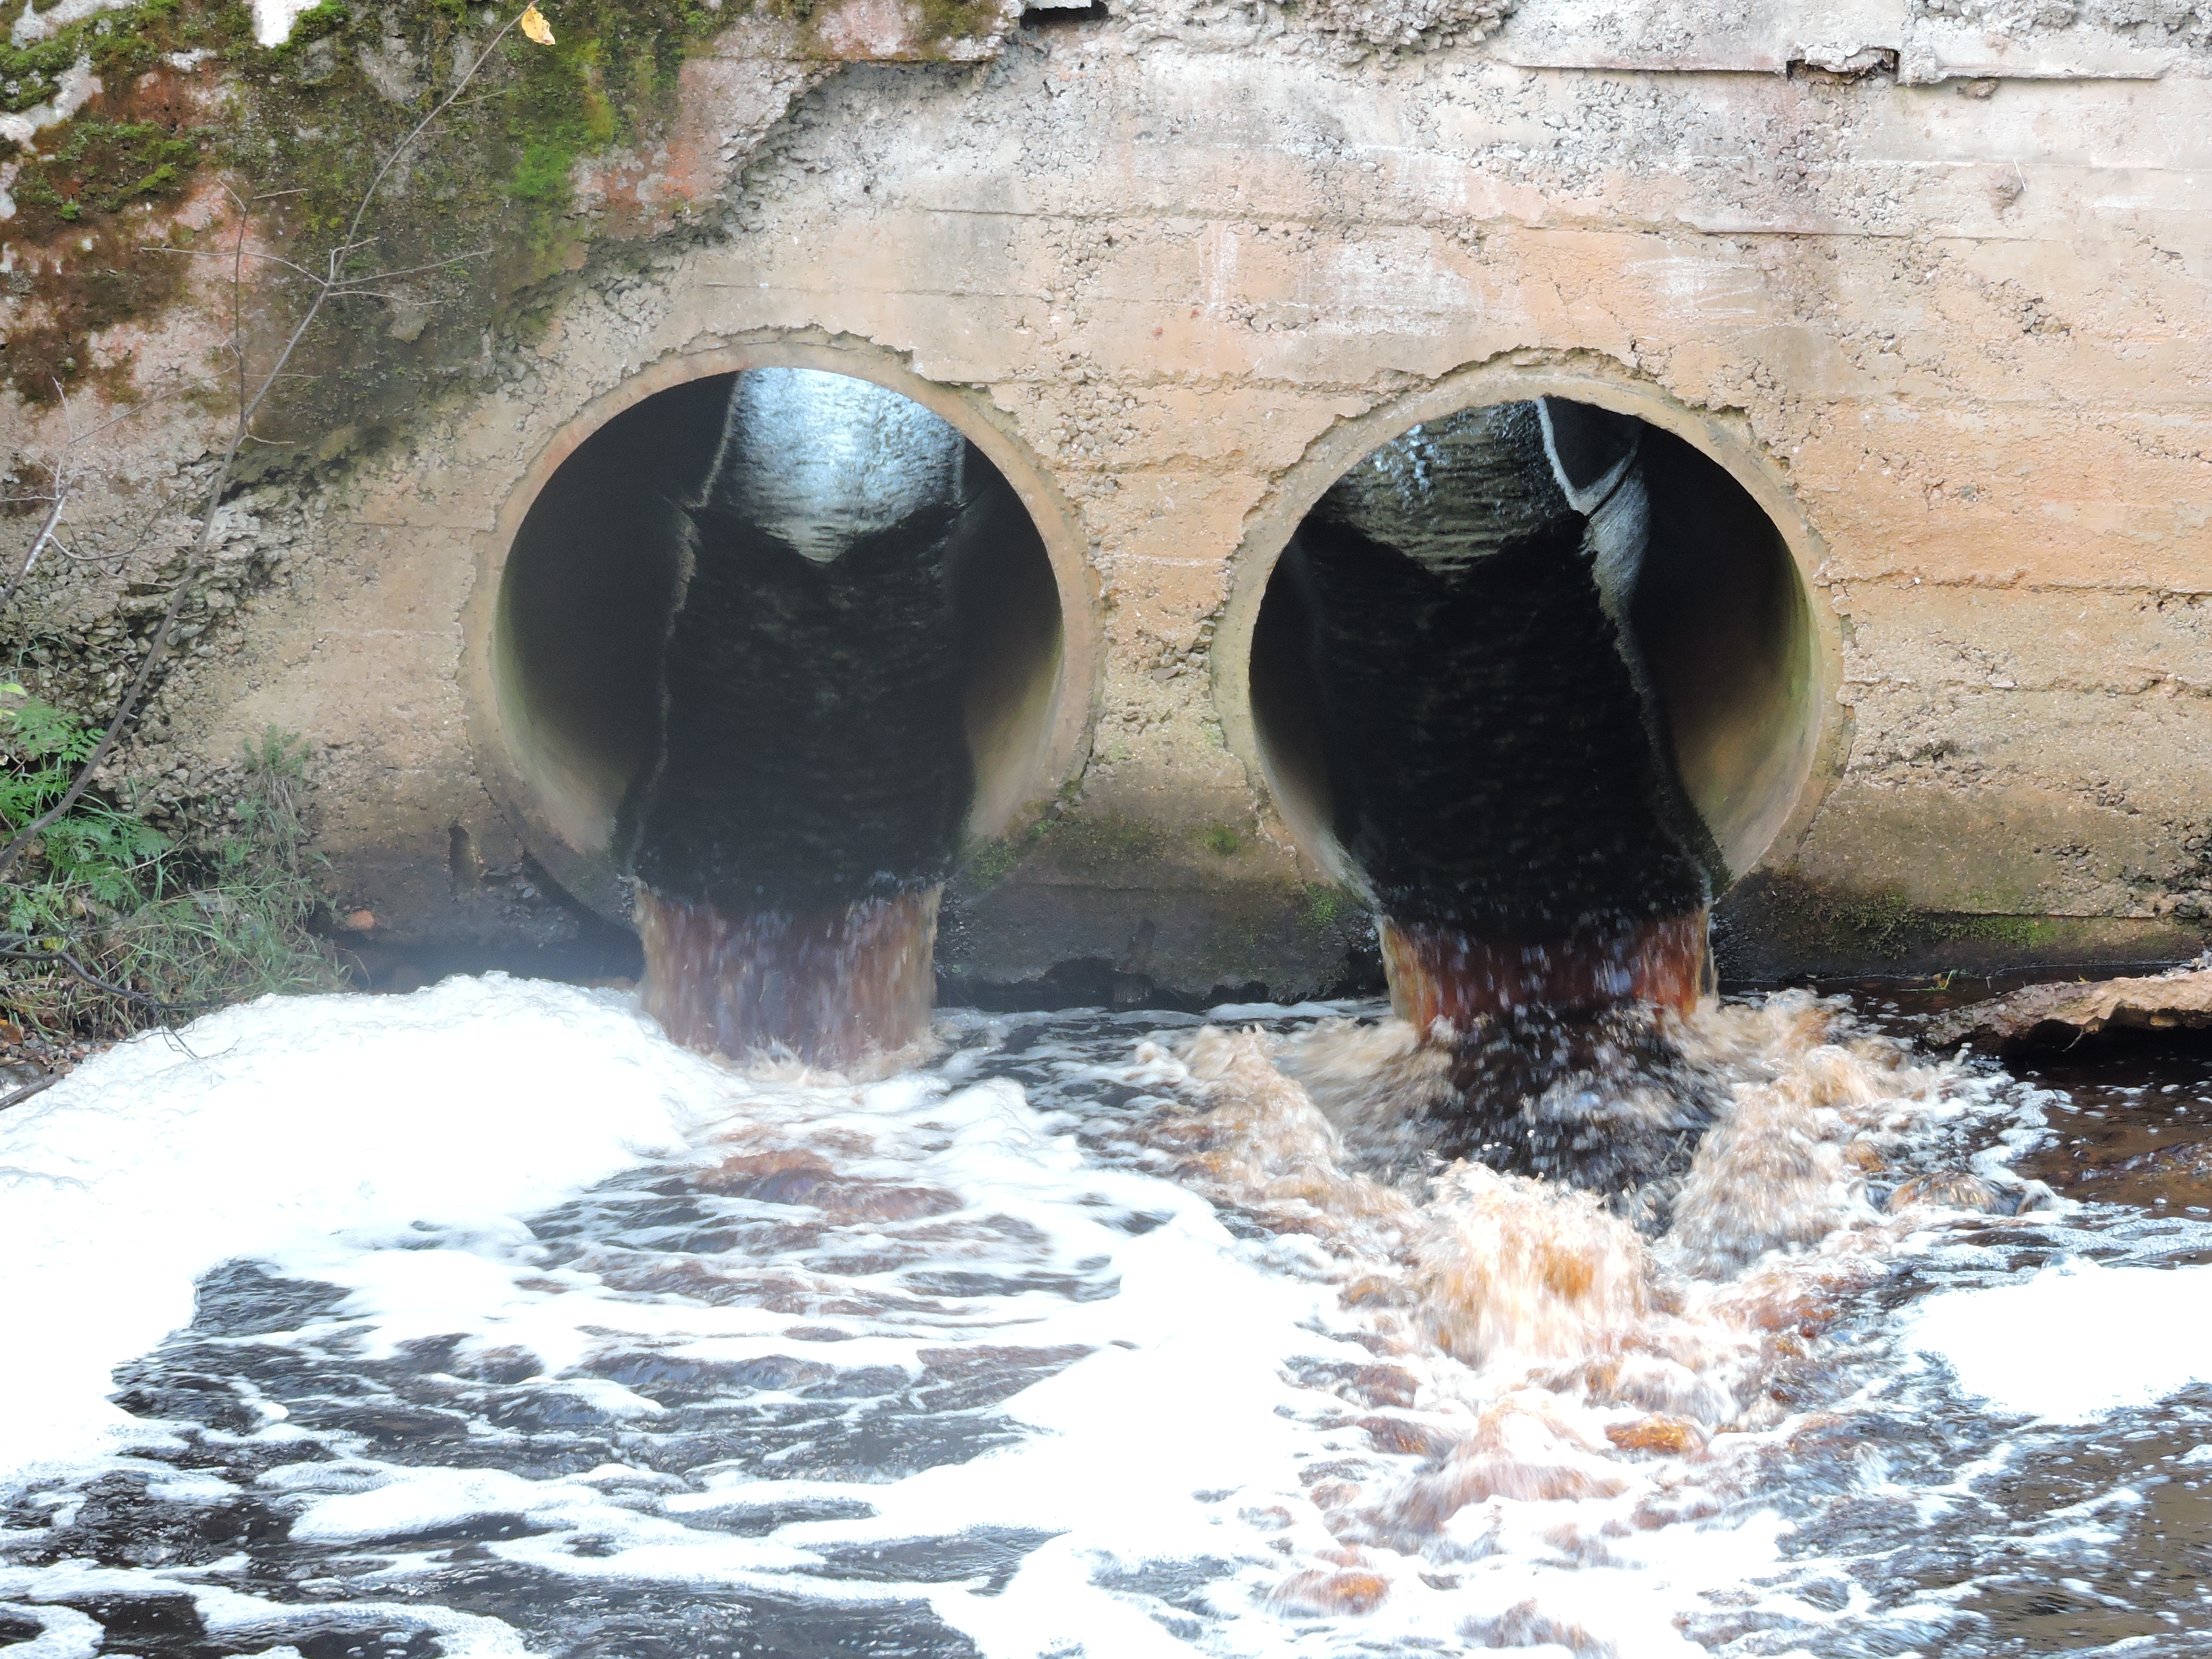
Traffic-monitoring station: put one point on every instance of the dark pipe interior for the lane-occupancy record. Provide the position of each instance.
(1485, 738)
(585, 598)
(812, 750)
(772, 729)
(1496, 725)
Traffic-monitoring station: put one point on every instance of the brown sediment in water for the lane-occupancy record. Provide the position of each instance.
(802, 1178)
(1438, 972)
(1553, 1353)
(1525, 1447)
(1323, 1594)
(1950, 1189)
(831, 987)
(1511, 1264)
(1669, 1436)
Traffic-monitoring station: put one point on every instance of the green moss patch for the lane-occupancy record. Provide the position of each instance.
(1329, 909)
(118, 45)
(1793, 923)
(102, 168)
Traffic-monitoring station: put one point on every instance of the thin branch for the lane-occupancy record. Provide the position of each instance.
(423, 125)
(237, 330)
(16, 1097)
(292, 266)
(46, 533)
(417, 271)
(144, 403)
(62, 486)
(225, 254)
(249, 406)
(70, 961)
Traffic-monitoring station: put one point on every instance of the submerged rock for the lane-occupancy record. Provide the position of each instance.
(1956, 1189)
(1669, 1436)
(2058, 1016)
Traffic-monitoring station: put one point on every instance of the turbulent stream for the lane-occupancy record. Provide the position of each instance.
(484, 1321)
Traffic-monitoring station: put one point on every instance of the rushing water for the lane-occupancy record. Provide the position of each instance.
(483, 1321)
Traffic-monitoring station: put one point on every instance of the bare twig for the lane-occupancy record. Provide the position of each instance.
(140, 407)
(226, 253)
(24, 952)
(59, 498)
(62, 485)
(352, 283)
(16, 1097)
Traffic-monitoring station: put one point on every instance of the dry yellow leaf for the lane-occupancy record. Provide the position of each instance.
(535, 26)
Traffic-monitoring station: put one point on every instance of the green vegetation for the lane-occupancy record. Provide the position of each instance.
(95, 855)
(1889, 926)
(106, 167)
(991, 862)
(1328, 908)
(1222, 841)
(2024, 932)
(1103, 838)
(941, 20)
(1883, 924)
(119, 44)
(111, 928)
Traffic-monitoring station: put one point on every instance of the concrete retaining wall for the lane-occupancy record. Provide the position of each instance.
(1935, 295)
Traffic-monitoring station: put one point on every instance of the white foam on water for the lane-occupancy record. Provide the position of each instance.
(226, 1613)
(1241, 1010)
(2078, 1340)
(390, 1147)
(1179, 1429)
(290, 1121)
(63, 1633)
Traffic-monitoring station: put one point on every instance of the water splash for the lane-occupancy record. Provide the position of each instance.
(842, 986)
(1441, 971)
(1048, 1347)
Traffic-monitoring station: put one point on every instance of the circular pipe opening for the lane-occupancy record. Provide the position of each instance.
(1425, 673)
(584, 631)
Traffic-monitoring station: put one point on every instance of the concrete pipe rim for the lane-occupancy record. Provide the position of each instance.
(588, 873)
(1725, 441)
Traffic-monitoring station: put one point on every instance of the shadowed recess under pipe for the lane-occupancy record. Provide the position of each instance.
(791, 838)
(1504, 780)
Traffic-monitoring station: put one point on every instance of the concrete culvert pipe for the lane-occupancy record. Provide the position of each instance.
(771, 645)
(1539, 680)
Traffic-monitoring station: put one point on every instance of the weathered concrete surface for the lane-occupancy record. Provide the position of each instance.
(1944, 319)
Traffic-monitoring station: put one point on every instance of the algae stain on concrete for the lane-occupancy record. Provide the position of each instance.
(479, 213)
